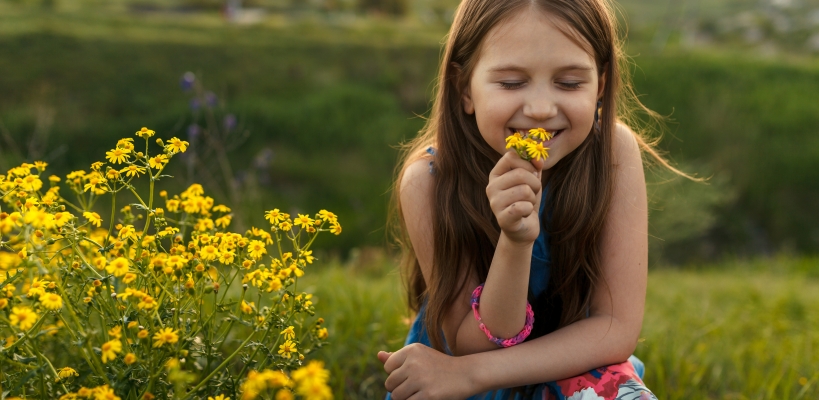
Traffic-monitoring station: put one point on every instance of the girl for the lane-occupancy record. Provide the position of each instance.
(560, 244)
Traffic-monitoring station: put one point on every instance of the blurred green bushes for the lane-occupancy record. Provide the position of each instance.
(325, 115)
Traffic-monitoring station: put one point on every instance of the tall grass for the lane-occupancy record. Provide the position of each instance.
(739, 330)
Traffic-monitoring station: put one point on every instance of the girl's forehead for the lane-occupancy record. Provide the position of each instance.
(532, 35)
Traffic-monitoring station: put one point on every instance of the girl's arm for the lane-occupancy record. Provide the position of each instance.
(608, 336)
(514, 191)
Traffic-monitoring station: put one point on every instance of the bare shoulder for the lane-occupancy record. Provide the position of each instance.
(417, 180)
(625, 148)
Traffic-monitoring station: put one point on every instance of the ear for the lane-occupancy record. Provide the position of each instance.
(466, 97)
(601, 82)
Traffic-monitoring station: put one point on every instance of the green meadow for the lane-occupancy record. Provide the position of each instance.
(736, 330)
(320, 106)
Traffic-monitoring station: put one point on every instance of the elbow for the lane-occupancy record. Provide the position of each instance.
(625, 341)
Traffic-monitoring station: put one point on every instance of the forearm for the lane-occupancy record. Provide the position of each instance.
(569, 351)
(503, 300)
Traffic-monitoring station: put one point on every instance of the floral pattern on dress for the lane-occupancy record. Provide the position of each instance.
(613, 382)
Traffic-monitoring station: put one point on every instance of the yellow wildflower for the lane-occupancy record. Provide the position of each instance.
(118, 267)
(287, 348)
(130, 358)
(540, 133)
(158, 162)
(256, 249)
(133, 170)
(117, 155)
(65, 373)
(247, 308)
(22, 317)
(143, 334)
(209, 253)
(145, 133)
(322, 333)
(51, 301)
(313, 371)
(286, 226)
(284, 394)
(3, 303)
(304, 221)
(129, 277)
(335, 228)
(166, 335)
(62, 218)
(147, 303)
(115, 332)
(537, 151)
(289, 333)
(275, 216)
(110, 349)
(219, 397)
(315, 390)
(308, 256)
(514, 141)
(327, 215)
(226, 257)
(177, 146)
(93, 218)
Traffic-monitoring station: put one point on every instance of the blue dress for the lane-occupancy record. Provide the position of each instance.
(621, 381)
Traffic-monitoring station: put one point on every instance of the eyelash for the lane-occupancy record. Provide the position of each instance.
(515, 85)
(511, 85)
(570, 85)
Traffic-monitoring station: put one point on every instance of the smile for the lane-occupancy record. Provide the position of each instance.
(523, 132)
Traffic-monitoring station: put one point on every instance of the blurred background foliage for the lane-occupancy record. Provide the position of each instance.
(308, 99)
(301, 103)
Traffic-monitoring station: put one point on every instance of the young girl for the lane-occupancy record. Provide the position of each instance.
(543, 261)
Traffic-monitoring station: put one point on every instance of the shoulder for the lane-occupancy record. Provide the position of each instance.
(416, 180)
(625, 146)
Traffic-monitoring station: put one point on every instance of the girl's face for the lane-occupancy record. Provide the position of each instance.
(530, 74)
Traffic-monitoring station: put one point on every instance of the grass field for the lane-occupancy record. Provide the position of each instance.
(738, 330)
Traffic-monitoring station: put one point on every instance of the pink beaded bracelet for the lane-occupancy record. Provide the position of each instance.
(519, 338)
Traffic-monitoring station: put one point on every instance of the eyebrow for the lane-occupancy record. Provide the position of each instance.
(513, 67)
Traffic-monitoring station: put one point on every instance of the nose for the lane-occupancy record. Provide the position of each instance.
(540, 105)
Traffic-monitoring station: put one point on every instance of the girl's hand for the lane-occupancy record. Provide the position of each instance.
(514, 192)
(419, 372)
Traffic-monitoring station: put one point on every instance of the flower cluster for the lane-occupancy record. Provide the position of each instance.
(157, 298)
(530, 146)
(308, 382)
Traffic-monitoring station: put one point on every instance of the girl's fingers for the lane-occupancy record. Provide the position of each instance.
(511, 179)
(396, 378)
(521, 193)
(514, 213)
(510, 161)
(405, 390)
(396, 359)
(383, 356)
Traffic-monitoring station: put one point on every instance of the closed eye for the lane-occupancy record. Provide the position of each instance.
(511, 85)
(570, 85)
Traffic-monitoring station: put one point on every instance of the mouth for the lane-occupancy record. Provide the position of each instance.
(523, 132)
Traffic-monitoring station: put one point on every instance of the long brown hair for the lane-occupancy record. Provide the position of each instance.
(465, 231)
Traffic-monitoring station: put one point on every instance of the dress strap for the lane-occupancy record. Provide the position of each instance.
(432, 152)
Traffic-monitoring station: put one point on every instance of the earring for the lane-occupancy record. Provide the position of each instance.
(597, 114)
